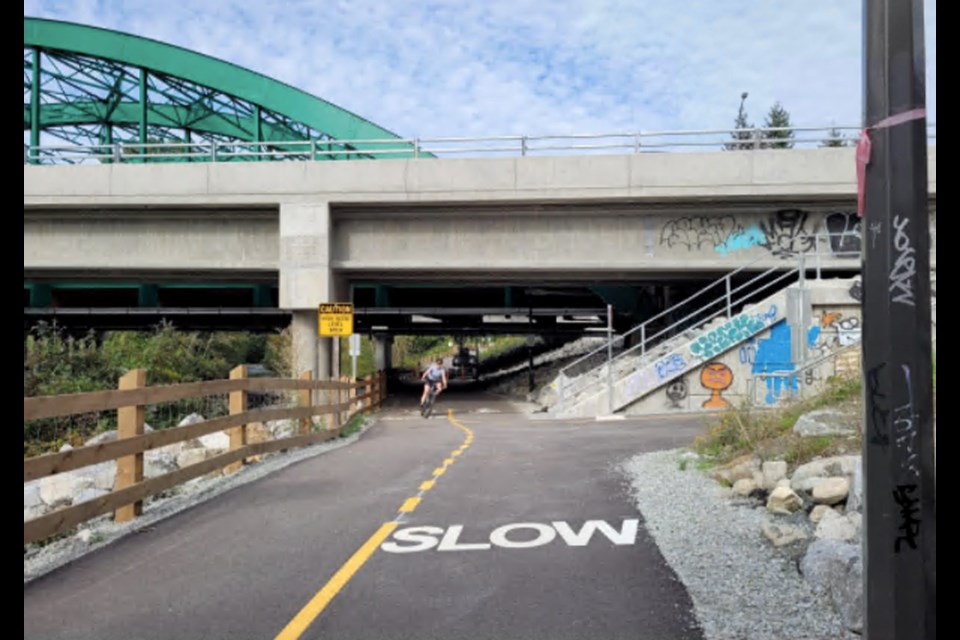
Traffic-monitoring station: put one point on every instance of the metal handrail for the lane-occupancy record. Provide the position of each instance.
(729, 300)
(583, 382)
(631, 141)
(619, 338)
(659, 315)
(571, 384)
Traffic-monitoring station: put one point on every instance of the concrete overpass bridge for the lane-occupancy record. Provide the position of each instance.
(322, 231)
(185, 188)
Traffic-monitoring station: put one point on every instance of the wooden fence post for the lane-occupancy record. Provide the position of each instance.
(130, 424)
(383, 387)
(336, 416)
(306, 399)
(238, 404)
(368, 391)
(362, 390)
(353, 393)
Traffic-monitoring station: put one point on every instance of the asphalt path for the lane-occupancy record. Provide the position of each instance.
(479, 522)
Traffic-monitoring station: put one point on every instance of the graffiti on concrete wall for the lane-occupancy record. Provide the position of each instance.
(716, 377)
(856, 290)
(698, 232)
(731, 333)
(742, 239)
(786, 233)
(782, 232)
(670, 365)
(774, 358)
(811, 377)
(834, 331)
(848, 332)
(652, 376)
(844, 230)
(748, 351)
(677, 393)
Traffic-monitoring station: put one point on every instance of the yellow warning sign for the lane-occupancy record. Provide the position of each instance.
(335, 319)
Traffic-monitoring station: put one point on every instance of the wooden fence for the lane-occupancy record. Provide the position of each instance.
(130, 400)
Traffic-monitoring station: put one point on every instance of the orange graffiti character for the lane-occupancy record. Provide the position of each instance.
(828, 318)
(716, 377)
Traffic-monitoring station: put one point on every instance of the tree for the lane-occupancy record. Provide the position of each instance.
(777, 133)
(743, 133)
(837, 139)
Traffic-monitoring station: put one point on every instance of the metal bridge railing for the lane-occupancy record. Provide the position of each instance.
(482, 146)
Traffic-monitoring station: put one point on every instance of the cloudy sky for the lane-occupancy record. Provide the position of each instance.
(497, 67)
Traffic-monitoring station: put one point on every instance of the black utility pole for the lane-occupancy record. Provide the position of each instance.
(900, 541)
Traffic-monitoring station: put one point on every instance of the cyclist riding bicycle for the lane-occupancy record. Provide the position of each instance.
(435, 375)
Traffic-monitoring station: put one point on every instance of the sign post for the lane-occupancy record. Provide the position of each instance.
(354, 353)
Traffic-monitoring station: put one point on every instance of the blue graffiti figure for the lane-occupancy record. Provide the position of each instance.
(750, 237)
(774, 356)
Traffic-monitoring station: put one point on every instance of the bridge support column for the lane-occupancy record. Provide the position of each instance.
(382, 348)
(306, 280)
(305, 341)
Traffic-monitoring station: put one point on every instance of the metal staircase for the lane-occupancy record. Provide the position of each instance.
(714, 319)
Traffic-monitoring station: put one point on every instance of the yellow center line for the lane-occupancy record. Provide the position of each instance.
(302, 621)
(318, 603)
(409, 505)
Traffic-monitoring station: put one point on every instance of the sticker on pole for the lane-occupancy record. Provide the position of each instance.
(335, 319)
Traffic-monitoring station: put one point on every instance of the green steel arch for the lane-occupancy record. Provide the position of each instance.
(90, 86)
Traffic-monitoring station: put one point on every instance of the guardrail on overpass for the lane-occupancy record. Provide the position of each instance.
(130, 401)
(438, 147)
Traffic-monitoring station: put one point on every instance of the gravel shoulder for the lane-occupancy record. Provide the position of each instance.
(741, 587)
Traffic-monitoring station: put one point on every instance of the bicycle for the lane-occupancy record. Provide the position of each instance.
(427, 407)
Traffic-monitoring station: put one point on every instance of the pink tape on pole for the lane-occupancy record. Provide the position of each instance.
(864, 147)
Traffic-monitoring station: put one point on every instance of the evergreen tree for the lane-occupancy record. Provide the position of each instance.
(837, 139)
(742, 134)
(777, 118)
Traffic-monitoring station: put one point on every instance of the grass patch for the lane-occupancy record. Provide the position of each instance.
(705, 464)
(768, 433)
(57, 537)
(353, 426)
(806, 449)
